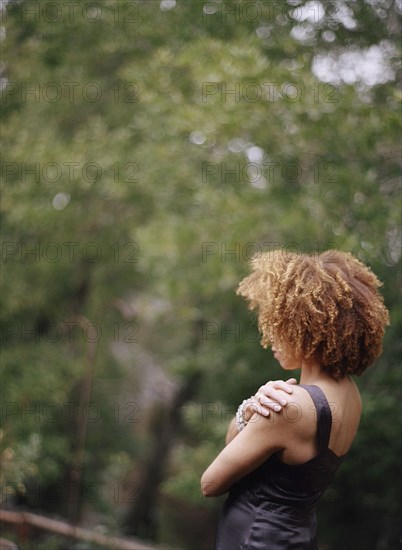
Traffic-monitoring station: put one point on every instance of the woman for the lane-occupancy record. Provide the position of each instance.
(321, 314)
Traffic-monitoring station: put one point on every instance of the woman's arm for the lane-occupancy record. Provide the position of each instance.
(262, 437)
(267, 399)
(232, 432)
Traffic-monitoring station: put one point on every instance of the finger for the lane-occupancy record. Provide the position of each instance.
(269, 390)
(260, 409)
(279, 385)
(255, 404)
(277, 404)
(262, 405)
(291, 381)
(271, 399)
(285, 386)
(274, 406)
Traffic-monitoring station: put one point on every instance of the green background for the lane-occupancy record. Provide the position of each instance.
(148, 150)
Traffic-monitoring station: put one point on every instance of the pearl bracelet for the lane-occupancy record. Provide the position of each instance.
(239, 418)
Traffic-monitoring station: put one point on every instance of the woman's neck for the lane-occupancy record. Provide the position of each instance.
(312, 373)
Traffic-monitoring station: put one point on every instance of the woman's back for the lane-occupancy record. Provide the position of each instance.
(345, 403)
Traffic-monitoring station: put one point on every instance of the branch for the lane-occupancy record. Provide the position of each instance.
(68, 530)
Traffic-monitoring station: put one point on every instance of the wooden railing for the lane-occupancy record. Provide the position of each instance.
(26, 522)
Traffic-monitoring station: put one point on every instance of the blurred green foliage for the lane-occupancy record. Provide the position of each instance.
(149, 149)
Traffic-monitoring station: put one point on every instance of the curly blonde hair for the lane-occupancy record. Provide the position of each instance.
(325, 306)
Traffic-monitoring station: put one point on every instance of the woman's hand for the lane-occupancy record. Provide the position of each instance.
(261, 439)
(270, 396)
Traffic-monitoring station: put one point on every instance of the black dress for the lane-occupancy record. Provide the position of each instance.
(273, 507)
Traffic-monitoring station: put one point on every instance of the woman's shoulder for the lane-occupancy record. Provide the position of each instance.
(343, 398)
(301, 412)
(301, 402)
(295, 422)
(335, 393)
(344, 402)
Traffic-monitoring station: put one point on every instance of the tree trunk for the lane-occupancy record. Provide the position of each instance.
(140, 520)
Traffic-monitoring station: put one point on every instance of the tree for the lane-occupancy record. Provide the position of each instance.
(150, 148)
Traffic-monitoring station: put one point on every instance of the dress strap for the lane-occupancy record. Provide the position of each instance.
(324, 415)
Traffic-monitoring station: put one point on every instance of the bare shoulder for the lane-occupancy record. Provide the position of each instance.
(339, 395)
(300, 405)
(300, 412)
(297, 418)
(300, 415)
